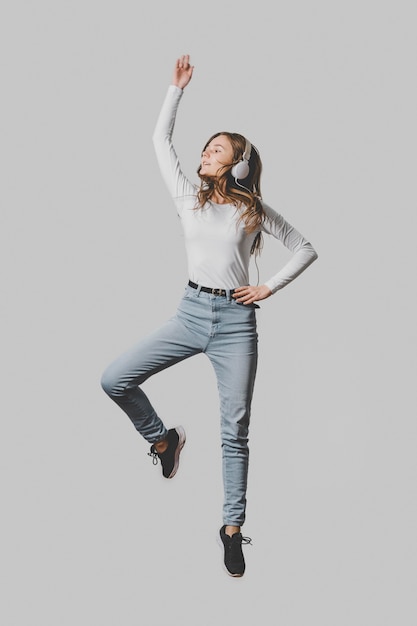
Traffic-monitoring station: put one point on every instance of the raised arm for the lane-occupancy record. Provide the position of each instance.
(178, 185)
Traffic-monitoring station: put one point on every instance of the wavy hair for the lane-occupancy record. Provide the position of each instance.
(245, 195)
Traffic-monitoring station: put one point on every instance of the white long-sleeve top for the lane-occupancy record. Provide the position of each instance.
(217, 245)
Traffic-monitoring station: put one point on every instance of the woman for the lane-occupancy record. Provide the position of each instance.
(223, 220)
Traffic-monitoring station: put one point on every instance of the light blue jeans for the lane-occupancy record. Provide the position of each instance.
(225, 331)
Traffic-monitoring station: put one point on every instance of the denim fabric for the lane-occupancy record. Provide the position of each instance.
(225, 331)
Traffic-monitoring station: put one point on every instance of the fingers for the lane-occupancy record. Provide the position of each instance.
(183, 62)
(240, 291)
(249, 294)
(245, 294)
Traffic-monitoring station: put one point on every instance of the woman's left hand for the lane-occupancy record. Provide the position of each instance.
(249, 294)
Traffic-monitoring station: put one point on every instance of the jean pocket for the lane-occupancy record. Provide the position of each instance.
(189, 293)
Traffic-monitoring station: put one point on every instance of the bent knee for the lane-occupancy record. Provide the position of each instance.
(110, 384)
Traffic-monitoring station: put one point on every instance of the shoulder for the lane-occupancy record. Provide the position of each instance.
(269, 212)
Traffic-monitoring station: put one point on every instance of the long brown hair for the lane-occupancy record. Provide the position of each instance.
(246, 194)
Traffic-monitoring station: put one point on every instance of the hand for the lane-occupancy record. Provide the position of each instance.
(183, 72)
(249, 294)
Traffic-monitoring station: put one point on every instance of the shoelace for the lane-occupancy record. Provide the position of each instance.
(154, 456)
(245, 540)
(234, 547)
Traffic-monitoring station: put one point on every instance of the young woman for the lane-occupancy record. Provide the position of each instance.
(223, 220)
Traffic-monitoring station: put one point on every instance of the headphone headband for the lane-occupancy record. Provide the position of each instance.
(248, 149)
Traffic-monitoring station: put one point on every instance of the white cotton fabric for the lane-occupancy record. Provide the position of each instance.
(217, 246)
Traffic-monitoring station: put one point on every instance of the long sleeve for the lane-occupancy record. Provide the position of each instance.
(178, 185)
(217, 247)
(303, 252)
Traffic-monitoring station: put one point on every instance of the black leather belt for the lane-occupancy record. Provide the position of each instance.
(214, 292)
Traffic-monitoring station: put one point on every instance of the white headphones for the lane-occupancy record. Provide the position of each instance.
(241, 169)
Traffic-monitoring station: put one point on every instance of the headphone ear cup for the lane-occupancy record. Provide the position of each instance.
(240, 170)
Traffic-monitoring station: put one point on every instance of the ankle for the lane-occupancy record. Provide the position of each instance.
(161, 446)
(232, 530)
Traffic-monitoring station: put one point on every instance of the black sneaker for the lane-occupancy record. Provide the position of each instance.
(170, 458)
(234, 561)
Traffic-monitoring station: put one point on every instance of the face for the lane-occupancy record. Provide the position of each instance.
(217, 153)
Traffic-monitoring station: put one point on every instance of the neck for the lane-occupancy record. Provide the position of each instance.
(217, 197)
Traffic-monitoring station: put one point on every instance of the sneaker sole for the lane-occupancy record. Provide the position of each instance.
(220, 544)
(181, 442)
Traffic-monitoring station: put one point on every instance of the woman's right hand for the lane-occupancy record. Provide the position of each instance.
(183, 72)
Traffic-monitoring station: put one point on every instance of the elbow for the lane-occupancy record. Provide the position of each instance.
(312, 252)
(157, 135)
(159, 141)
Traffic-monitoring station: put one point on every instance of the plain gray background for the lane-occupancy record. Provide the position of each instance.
(92, 258)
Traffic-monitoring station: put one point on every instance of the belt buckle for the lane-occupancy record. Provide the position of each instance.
(217, 292)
